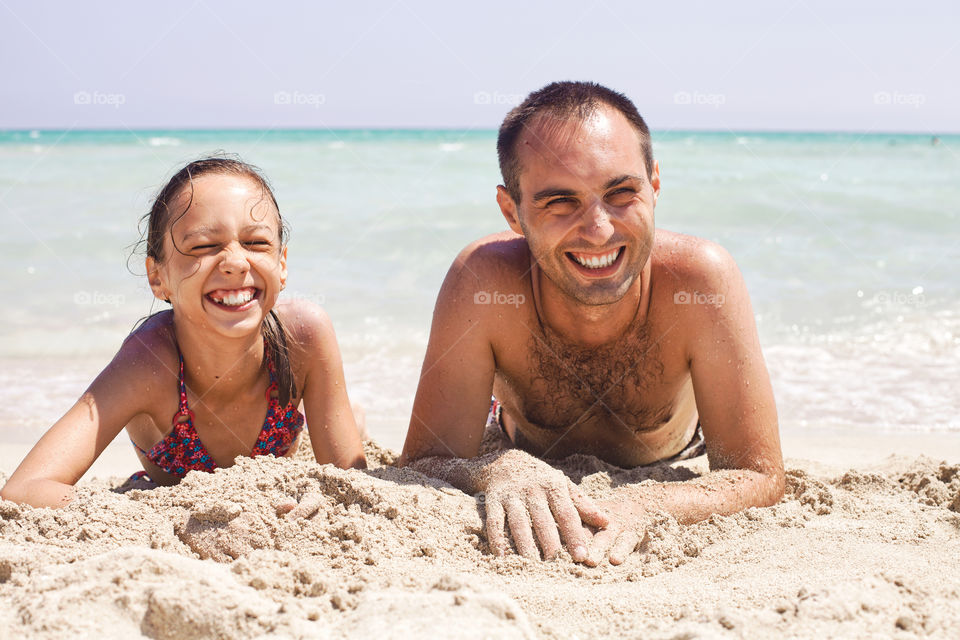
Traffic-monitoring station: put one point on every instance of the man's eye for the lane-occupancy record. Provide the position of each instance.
(560, 201)
(262, 244)
(203, 247)
(622, 195)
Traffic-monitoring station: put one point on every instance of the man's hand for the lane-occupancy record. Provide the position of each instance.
(533, 498)
(624, 532)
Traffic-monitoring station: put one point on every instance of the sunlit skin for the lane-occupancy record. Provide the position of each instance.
(599, 359)
(222, 268)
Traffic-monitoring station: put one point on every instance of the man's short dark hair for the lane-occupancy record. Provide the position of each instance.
(565, 101)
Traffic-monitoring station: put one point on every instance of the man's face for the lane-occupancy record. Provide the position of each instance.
(587, 204)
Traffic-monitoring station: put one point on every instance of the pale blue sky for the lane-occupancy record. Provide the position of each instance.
(792, 65)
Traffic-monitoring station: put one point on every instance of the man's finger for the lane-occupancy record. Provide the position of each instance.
(600, 544)
(590, 513)
(571, 528)
(307, 507)
(626, 544)
(520, 528)
(545, 527)
(495, 521)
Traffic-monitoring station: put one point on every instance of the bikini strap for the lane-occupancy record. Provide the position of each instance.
(184, 414)
(273, 388)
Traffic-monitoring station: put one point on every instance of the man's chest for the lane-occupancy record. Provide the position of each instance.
(629, 386)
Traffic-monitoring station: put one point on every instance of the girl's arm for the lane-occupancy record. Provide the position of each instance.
(330, 420)
(46, 476)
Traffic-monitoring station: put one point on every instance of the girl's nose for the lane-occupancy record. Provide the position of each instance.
(234, 260)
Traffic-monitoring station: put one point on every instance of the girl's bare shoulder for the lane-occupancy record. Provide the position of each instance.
(150, 353)
(306, 323)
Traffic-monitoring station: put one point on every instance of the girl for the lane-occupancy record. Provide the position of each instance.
(214, 364)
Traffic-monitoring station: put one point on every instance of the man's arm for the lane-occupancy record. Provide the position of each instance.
(456, 380)
(447, 424)
(736, 406)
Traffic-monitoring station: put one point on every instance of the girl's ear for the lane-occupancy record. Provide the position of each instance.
(156, 282)
(283, 268)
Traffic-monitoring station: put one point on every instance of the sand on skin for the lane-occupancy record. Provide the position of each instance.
(390, 552)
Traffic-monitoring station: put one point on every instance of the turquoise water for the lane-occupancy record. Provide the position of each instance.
(848, 243)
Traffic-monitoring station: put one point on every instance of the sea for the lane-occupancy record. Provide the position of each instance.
(849, 244)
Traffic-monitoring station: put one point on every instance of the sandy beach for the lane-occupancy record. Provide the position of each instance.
(863, 549)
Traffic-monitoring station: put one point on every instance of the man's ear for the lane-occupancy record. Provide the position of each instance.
(509, 209)
(655, 180)
(156, 282)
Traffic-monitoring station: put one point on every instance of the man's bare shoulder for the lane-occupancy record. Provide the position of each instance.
(498, 262)
(688, 261)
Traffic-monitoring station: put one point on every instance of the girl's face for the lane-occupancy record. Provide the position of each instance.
(223, 264)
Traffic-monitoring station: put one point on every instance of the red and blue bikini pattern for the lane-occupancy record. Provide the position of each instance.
(182, 451)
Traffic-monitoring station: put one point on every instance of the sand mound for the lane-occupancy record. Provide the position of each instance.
(391, 553)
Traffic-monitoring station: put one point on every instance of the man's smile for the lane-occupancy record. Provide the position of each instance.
(597, 264)
(233, 299)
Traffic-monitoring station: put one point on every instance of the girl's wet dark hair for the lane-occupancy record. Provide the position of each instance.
(159, 223)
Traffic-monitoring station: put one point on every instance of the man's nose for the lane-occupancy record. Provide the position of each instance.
(597, 225)
(234, 260)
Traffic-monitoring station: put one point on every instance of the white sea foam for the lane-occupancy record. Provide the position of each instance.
(164, 141)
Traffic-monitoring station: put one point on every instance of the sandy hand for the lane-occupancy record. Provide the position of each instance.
(307, 506)
(622, 534)
(533, 498)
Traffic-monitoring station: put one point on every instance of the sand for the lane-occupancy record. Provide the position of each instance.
(866, 552)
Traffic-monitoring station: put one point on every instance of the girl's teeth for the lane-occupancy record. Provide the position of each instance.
(235, 299)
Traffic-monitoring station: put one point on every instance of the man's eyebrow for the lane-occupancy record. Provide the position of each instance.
(551, 192)
(621, 179)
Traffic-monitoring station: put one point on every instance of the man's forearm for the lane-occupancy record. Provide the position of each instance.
(721, 492)
(466, 474)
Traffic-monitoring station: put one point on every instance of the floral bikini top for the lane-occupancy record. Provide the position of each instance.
(181, 450)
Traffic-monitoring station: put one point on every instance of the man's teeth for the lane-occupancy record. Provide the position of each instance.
(235, 298)
(597, 262)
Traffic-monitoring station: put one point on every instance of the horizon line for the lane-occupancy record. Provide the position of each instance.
(452, 129)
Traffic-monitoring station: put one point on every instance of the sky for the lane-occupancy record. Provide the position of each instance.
(806, 65)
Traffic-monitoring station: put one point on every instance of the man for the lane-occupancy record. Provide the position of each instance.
(597, 335)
